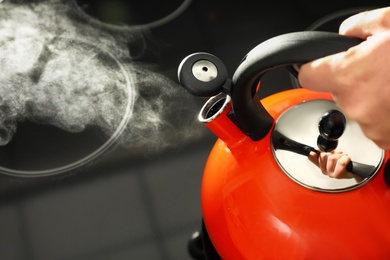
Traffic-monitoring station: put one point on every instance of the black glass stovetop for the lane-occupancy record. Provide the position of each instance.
(101, 153)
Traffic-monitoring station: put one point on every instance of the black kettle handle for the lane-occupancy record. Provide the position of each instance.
(284, 50)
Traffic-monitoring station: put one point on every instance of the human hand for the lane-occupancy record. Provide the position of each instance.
(359, 78)
(333, 164)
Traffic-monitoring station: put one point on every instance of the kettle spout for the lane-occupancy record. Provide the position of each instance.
(205, 75)
(214, 114)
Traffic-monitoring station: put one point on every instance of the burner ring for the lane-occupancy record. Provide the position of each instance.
(126, 16)
(62, 151)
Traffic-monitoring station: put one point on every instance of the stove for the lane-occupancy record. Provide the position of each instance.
(101, 153)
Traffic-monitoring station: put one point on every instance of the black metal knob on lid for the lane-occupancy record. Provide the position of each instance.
(331, 126)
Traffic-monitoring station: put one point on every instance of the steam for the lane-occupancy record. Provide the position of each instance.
(59, 69)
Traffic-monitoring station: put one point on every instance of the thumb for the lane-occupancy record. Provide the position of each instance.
(365, 24)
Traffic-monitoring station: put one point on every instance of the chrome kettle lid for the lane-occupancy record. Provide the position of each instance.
(300, 123)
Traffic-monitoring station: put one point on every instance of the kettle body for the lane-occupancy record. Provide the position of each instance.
(253, 210)
(261, 196)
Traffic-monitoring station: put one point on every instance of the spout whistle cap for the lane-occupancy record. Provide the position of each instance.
(202, 74)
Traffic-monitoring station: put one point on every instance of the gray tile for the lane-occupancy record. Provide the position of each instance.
(86, 218)
(12, 244)
(176, 243)
(174, 187)
(142, 251)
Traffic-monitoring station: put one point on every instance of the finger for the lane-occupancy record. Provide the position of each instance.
(340, 170)
(313, 157)
(324, 70)
(331, 164)
(378, 132)
(322, 162)
(357, 25)
(366, 23)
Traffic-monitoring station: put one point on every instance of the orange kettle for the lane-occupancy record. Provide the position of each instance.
(261, 196)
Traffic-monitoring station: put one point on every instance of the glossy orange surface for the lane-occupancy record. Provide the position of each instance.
(253, 210)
